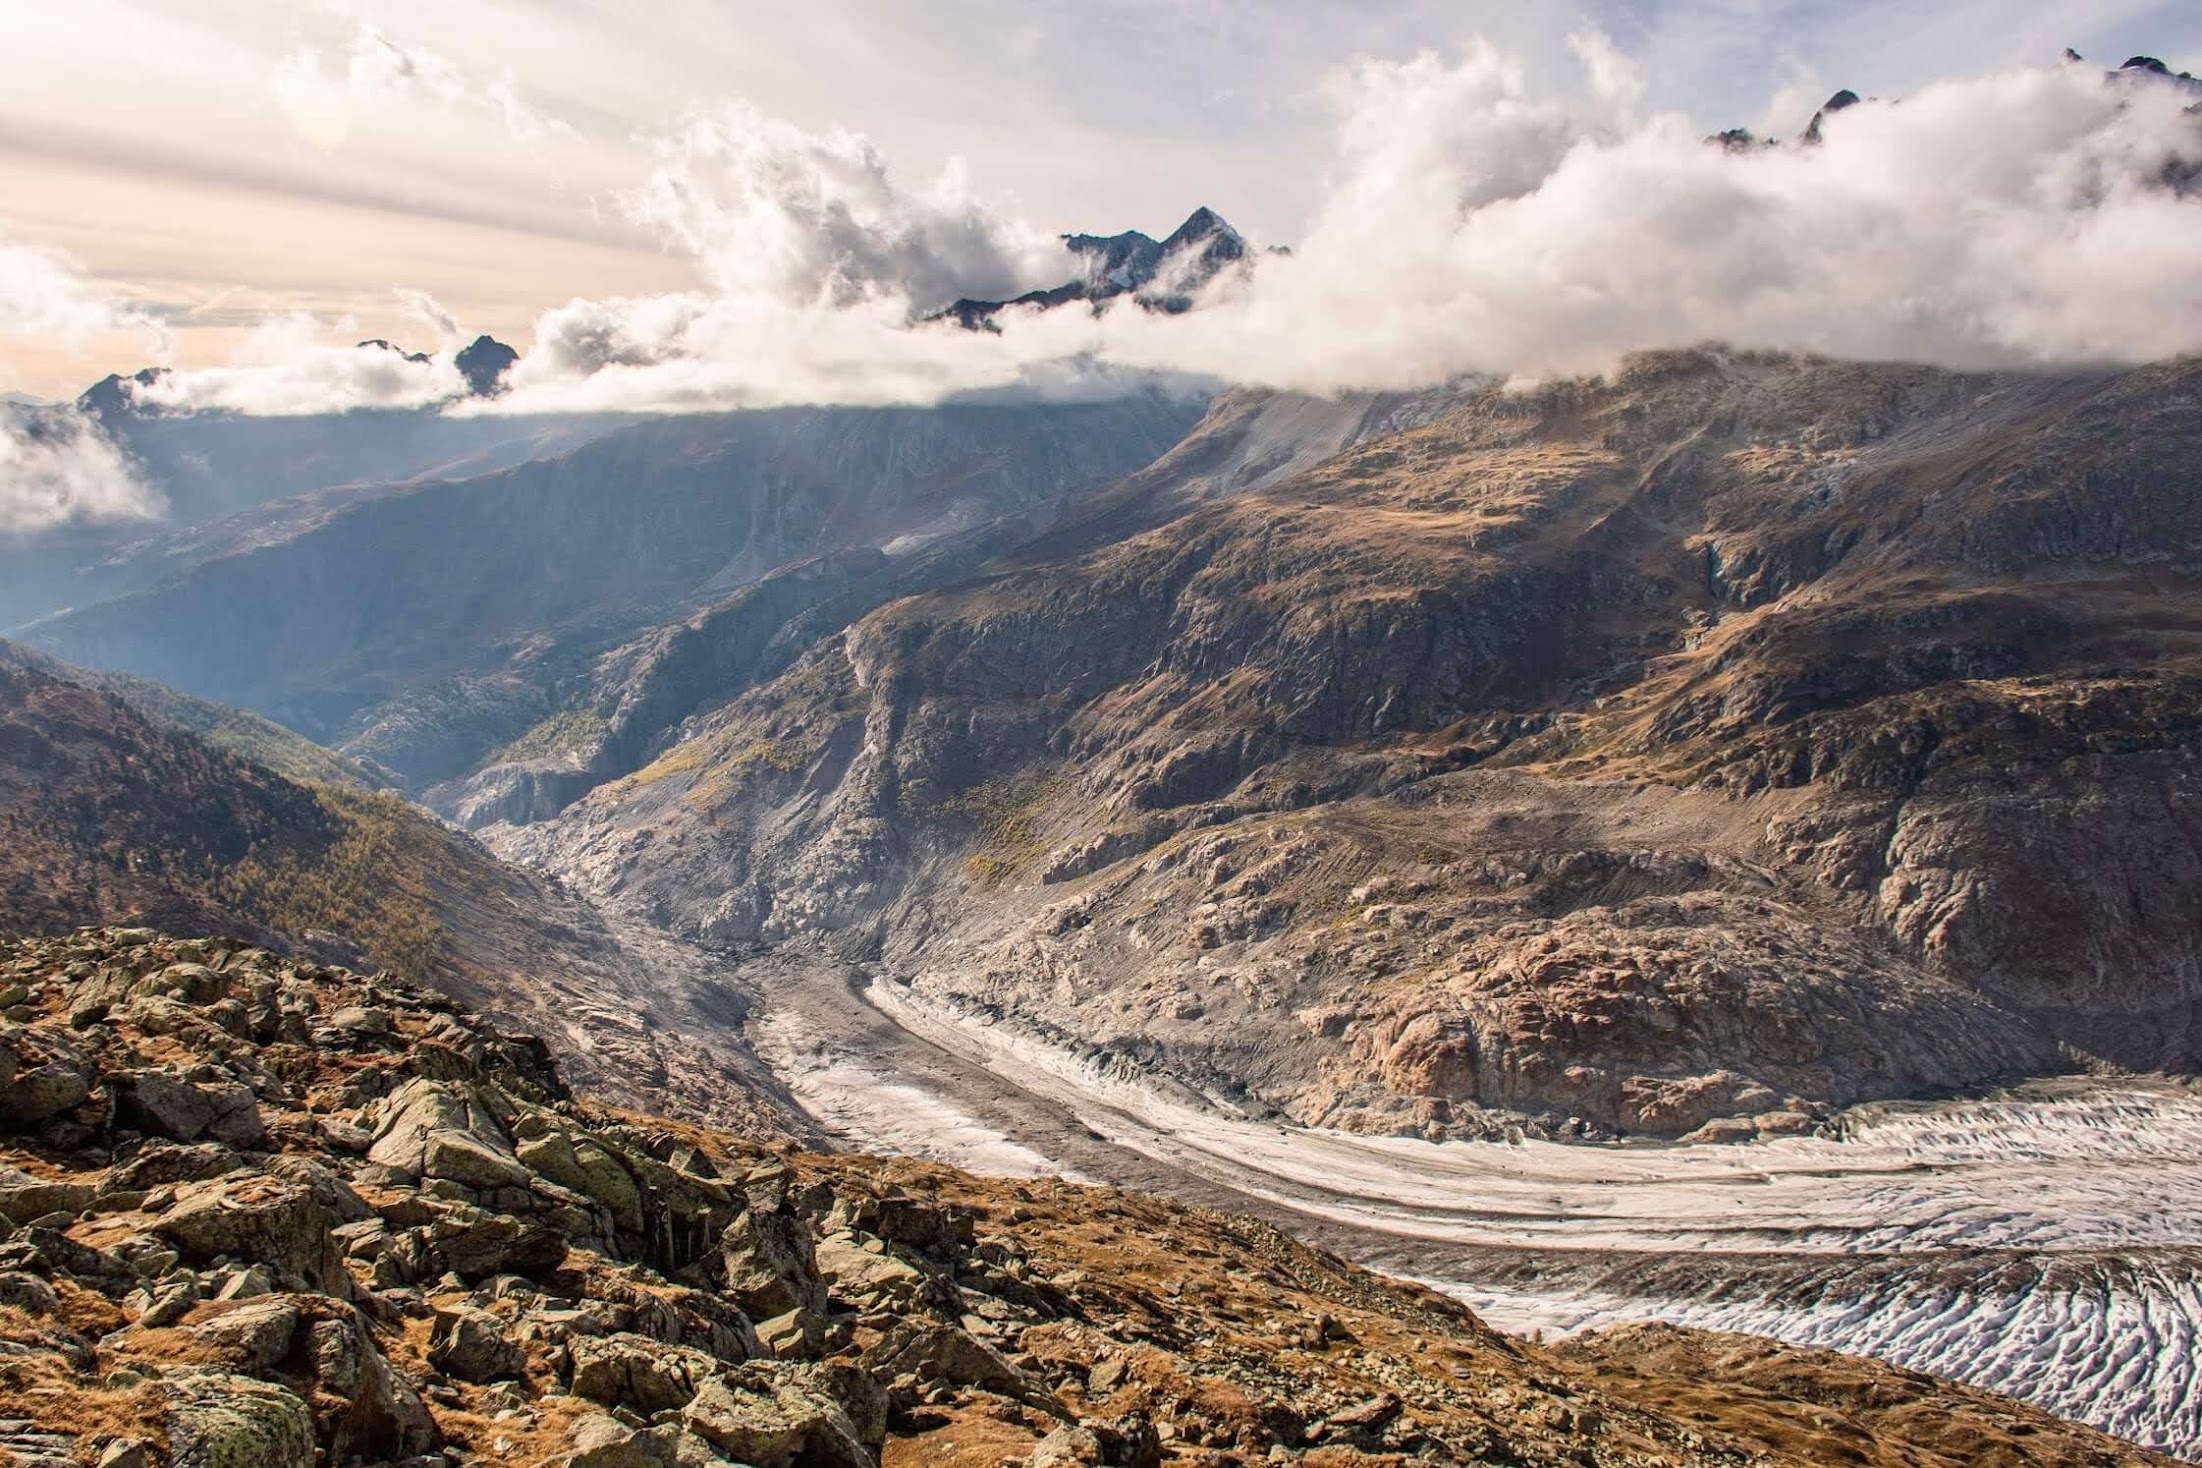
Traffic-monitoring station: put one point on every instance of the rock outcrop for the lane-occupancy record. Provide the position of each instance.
(432, 1254)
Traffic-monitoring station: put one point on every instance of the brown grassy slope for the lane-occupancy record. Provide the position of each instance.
(106, 818)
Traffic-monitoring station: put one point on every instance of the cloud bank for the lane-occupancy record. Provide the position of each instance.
(2045, 216)
(58, 468)
(42, 294)
(1471, 226)
(2022, 218)
(288, 365)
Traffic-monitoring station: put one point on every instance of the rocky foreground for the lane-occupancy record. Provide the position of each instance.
(263, 1213)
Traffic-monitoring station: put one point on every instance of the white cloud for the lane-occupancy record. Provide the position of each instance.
(1471, 226)
(325, 103)
(434, 315)
(57, 467)
(819, 264)
(1471, 223)
(770, 210)
(2004, 220)
(289, 365)
(42, 294)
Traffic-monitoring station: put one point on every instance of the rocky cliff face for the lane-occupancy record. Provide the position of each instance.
(431, 623)
(1725, 742)
(634, 700)
(259, 1212)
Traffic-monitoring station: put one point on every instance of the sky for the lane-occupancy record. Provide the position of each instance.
(235, 184)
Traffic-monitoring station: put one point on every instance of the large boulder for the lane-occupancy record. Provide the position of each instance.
(599, 1441)
(262, 1219)
(775, 1416)
(1069, 1447)
(163, 1105)
(157, 1164)
(471, 1344)
(770, 1266)
(46, 1073)
(950, 1353)
(191, 983)
(217, 1420)
(24, 1197)
(865, 1276)
(331, 1191)
(379, 1416)
(27, 1292)
(253, 1336)
(575, 1160)
(442, 1130)
(477, 1244)
(627, 1370)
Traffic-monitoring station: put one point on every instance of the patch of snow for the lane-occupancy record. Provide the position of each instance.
(864, 1105)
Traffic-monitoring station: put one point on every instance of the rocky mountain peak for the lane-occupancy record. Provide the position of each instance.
(2150, 68)
(1122, 261)
(383, 344)
(1160, 275)
(484, 363)
(1202, 224)
(1842, 101)
(1194, 254)
(116, 394)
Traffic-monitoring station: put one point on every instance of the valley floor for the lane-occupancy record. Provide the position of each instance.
(2047, 1243)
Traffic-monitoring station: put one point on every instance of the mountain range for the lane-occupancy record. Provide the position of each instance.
(1708, 752)
(1693, 745)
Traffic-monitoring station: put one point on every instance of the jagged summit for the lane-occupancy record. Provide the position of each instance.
(2137, 69)
(1160, 275)
(117, 394)
(1121, 260)
(2144, 69)
(384, 344)
(484, 363)
(2149, 66)
(1202, 226)
(1842, 101)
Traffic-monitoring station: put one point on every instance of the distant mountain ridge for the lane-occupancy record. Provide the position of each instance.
(482, 364)
(430, 622)
(2137, 71)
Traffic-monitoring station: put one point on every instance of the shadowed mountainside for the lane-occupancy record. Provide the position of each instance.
(214, 474)
(425, 625)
